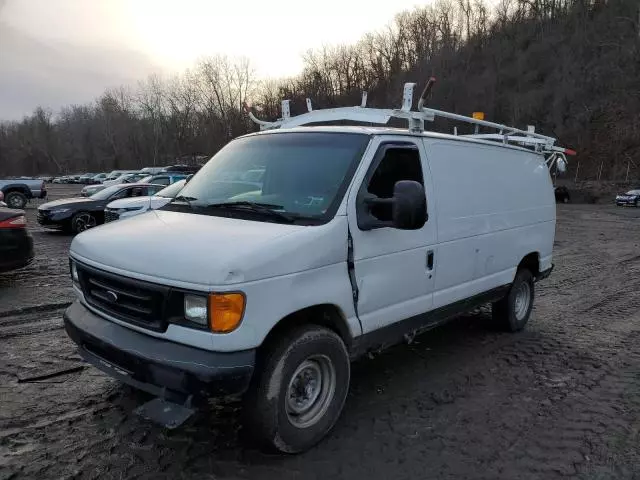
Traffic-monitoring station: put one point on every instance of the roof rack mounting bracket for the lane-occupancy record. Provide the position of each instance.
(407, 97)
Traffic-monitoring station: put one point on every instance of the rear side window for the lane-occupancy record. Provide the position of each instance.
(124, 193)
(162, 181)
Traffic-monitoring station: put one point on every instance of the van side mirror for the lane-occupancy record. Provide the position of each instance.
(408, 208)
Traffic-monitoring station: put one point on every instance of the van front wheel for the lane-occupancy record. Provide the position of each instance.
(513, 311)
(300, 391)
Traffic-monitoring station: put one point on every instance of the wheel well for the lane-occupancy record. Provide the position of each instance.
(325, 315)
(532, 263)
(15, 189)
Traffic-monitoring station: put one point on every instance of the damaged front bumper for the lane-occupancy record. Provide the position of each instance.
(162, 368)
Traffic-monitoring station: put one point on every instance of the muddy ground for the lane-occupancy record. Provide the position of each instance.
(561, 399)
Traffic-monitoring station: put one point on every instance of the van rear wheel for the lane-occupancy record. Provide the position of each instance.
(513, 311)
(299, 393)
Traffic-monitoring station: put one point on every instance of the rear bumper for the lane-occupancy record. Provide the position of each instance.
(16, 249)
(162, 368)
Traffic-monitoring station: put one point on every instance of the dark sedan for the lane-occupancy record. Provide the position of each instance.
(632, 197)
(81, 213)
(16, 244)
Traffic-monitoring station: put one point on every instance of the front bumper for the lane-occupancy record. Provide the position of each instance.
(56, 221)
(159, 367)
(626, 201)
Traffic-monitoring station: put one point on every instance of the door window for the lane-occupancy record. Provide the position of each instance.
(397, 164)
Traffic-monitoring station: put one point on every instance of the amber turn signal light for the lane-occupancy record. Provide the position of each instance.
(225, 311)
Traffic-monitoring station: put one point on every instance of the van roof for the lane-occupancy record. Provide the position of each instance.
(371, 131)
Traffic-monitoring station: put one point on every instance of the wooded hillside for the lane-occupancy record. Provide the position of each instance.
(570, 67)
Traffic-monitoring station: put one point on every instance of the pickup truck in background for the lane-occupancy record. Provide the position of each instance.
(17, 192)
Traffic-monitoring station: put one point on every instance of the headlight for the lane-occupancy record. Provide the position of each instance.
(74, 272)
(59, 210)
(221, 312)
(195, 309)
(127, 209)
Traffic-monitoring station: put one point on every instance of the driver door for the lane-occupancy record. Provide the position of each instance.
(394, 269)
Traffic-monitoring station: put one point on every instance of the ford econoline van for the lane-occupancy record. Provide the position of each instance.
(352, 239)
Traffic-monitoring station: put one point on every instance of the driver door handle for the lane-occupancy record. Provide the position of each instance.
(430, 262)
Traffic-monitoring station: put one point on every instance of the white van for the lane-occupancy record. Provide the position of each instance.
(357, 239)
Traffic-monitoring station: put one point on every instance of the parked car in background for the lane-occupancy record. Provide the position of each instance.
(164, 178)
(16, 243)
(152, 170)
(182, 168)
(86, 179)
(78, 214)
(632, 198)
(130, 207)
(120, 178)
(19, 191)
(99, 178)
(134, 177)
(115, 174)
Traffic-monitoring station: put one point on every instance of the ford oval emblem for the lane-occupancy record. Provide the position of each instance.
(112, 296)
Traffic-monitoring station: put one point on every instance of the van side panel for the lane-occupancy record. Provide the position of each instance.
(494, 206)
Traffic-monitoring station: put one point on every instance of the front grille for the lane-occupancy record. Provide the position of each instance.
(132, 301)
(110, 216)
(42, 216)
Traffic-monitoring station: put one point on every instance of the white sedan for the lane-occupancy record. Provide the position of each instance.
(130, 207)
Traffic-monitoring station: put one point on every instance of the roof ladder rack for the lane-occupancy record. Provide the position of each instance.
(415, 122)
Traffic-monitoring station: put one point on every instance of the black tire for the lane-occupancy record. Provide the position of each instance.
(511, 313)
(82, 221)
(17, 200)
(269, 409)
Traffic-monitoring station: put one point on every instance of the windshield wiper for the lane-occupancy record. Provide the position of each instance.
(266, 208)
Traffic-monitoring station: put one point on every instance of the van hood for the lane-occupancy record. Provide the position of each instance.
(201, 251)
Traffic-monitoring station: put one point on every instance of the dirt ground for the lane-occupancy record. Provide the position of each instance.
(561, 399)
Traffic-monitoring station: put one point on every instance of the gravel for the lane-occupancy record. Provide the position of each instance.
(560, 399)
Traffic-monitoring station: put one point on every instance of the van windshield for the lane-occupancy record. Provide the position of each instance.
(301, 174)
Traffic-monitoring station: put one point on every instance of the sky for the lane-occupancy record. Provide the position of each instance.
(60, 52)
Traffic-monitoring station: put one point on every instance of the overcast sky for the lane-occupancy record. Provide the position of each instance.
(60, 52)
